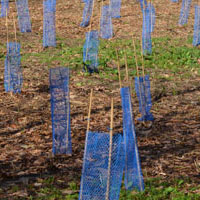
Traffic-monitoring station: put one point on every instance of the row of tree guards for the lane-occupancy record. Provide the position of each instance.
(91, 45)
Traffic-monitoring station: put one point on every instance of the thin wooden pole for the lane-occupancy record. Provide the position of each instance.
(15, 30)
(110, 151)
(143, 73)
(7, 47)
(7, 26)
(126, 66)
(68, 118)
(89, 111)
(118, 66)
(135, 54)
(101, 6)
(140, 95)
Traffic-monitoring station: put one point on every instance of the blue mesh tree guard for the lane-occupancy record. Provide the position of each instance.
(185, 9)
(23, 16)
(152, 17)
(87, 12)
(90, 51)
(95, 175)
(60, 110)
(106, 28)
(4, 7)
(13, 74)
(49, 30)
(146, 32)
(196, 36)
(115, 7)
(143, 3)
(133, 172)
(143, 92)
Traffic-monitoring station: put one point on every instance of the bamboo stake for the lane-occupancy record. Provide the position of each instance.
(126, 67)
(89, 111)
(7, 47)
(110, 151)
(118, 66)
(68, 106)
(138, 74)
(101, 6)
(7, 26)
(143, 73)
(137, 68)
(15, 30)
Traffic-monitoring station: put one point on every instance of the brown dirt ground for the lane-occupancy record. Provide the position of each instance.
(170, 148)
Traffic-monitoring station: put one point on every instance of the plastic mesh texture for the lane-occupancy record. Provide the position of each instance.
(87, 12)
(4, 7)
(185, 9)
(95, 175)
(13, 74)
(133, 173)
(60, 110)
(90, 49)
(146, 32)
(23, 16)
(143, 3)
(106, 28)
(196, 36)
(49, 30)
(152, 16)
(143, 92)
(115, 7)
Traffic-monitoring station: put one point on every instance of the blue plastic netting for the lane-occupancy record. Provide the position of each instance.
(87, 12)
(196, 37)
(185, 9)
(106, 30)
(142, 88)
(133, 172)
(143, 3)
(49, 29)
(152, 17)
(90, 50)
(146, 32)
(115, 7)
(4, 7)
(60, 110)
(23, 16)
(13, 74)
(175, 1)
(95, 175)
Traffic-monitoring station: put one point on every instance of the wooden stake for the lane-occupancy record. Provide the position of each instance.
(7, 26)
(118, 66)
(143, 74)
(126, 66)
(68, 106)
(89, 111)
(15, 31)
(110, 151)
(135, 54)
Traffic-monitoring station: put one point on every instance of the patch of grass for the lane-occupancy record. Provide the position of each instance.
(155, 189)
(180, 58)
